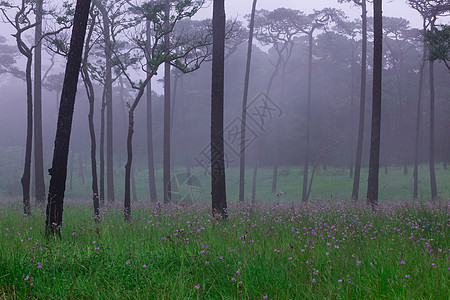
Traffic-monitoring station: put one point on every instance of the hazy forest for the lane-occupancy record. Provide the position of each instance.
(164, 149)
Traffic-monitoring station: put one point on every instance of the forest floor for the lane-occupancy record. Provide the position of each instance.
(264, 251)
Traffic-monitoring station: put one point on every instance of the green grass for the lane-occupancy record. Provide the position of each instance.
(317, 251)
(331, 184)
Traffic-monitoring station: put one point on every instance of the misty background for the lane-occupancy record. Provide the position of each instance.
(334, 114)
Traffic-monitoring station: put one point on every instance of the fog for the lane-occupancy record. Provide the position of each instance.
(276, 123)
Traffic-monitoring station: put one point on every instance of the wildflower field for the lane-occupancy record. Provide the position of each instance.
(264, 251)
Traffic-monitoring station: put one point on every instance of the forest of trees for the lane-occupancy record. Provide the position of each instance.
(290, 88)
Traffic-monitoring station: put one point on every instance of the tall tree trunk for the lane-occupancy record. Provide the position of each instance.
(26, 177)
(218, 187)
(432, 121)
(38, 151)
(185, 132)
(374, 162)
(91, 98)
(278, 133)
(418, 118)
(109, 104)
(128, 165)
(352, 121)
(362, 104)
(150, 158)
(94, 182)
(166, 146)
(102, 149)
(58, 172)
(308, 121)
(244, 105)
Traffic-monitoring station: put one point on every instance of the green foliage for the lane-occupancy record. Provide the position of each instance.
(439, 40)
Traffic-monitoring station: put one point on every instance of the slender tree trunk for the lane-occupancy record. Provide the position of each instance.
(150, 158)
(244, 105)
(362, 104)
(26, 177)
(185, 132)
(418, 119)
(91, 98)
(58, 172)
(128, 165)
(308, 121)
(352, 121)
(166, 146)
(102, 149)
(109, 104)
(278, 133)
(374, 162)
(94, 183)
(38, 147)
(432, 125)
(218, 188)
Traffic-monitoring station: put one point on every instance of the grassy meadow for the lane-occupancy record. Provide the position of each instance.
(333, 250)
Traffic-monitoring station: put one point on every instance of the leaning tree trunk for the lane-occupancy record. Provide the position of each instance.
(244, 105)
(374, 162)
(38, 151)
(362, 104)
(58, 171)
(218, 188)
(308, 122)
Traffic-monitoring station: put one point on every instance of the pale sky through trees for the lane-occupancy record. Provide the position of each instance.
(391, 8)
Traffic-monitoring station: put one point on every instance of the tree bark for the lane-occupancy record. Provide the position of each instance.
(58, 172)
(38, 145)
(362, 104)
(432, 125)
(352, 100)
(150, 158)
(418, 119)
(374, 162)
(91, 98)
(244, 105)
(109, 104)
(26, 177)
(308, 120)
(102, 149)
(166, 146)
(218, 186)
(128, 165)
